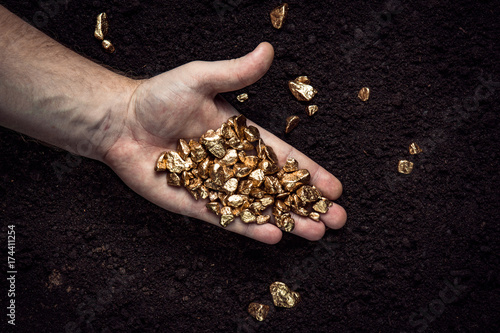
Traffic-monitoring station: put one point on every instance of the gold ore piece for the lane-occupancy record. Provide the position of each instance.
(214, 143)
(247, 216)
(283, 296)
(173, 179)
(415, 149)
(321, 206)
(108, 47)
(291, 165)
(314, 216)
(302, 92)
(311, 109)
(258, 311)
(214, 207)
(291, 123)
(278, 15)
(226, 216)
(161, 162)
(263, 219)
(101, 27)
(405, 167)
(364, 94)
(183, 149)
(242, 97)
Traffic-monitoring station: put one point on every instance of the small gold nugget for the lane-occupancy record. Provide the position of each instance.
(278, 15)
(415, 149)
(405, 167)
(302, 91)
(243, 97)
(108, 47)
(312, 109)
(283, 296)
(258, 311)
(101, 27)
(364, 94)
(291, 123)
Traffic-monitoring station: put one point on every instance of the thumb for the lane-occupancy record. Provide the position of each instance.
(229, 75)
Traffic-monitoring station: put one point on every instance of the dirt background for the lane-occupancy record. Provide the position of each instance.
(419, 252)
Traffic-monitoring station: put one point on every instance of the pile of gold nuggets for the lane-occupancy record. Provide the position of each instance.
(219, 167)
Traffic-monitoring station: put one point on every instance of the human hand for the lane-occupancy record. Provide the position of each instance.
(184, 103)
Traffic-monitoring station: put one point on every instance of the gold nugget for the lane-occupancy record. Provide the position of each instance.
(258, 311)
(161, 162)
(108, 47)
(415, 149)
(405, 167)
(283, 296)
(101, 27)
(242, 97)
(311, 109)
(364, 94)
(278, 15)
(302, 92)
(291, 123)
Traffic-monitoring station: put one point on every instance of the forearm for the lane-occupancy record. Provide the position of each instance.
(51, 93)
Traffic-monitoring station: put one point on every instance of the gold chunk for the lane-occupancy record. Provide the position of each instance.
(174, 162)
(257, 193)
(292, 181)
(314, 216)
(272, 185)
(214, 143)
(308, 194)
(101, 27)
(227, 131)
(321, 207)
(231, 185)
(364, 94)
(257, 207)
(161, 162)
(258, 311)
(198, 153)
(230, 158)
(242, 97)
(282, 206)
(213, 196)
(251, 161)
(267, 201)
(263, 219)
(302, 92)
(415, 149)
(240, 123)
(107, 46)
(246, 186)
(312, 109)
(204, 168)
(300, 211)
(257, 177)
(246, 145)
(226, 219)
(203, 190)
(291, 123)
(287, 224)
(241, 170)
(247, 216)
(173, 179)
(291, 165)
(209, 183)
(217, 174)
(282, 195)
(183, 149)
(405, 167)
(235, 200)
(269, 154)
(235, 143)
(278, 15)
(268, 167)
(195, 194)
(252, 133)
(283, 296)
(214, 207)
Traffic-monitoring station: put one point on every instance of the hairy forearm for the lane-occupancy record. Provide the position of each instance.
(53, 94)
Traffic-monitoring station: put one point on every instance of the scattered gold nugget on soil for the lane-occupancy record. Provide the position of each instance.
(415, 149)
(108, 47)
(301, 89)
(217, 167)
(258, 311)
(405, 167)
(283, 296)
(291, 123)
(364, 94)
(242, 97)
(311, 109)
(278, 15)
(101, 27)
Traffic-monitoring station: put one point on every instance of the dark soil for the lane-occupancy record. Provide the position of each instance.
(419, 252)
